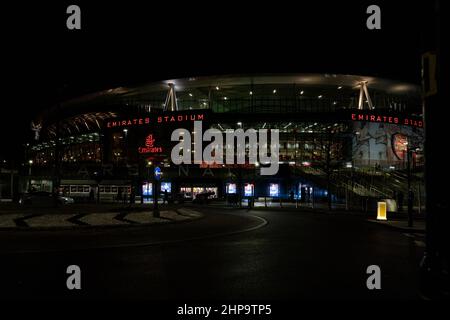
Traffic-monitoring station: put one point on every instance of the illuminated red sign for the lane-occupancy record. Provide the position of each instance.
(387, 119)
(160, 119)
(149, 146)
(149, 141)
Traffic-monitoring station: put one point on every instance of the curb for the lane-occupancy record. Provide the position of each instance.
(101, 226)
(400, 229)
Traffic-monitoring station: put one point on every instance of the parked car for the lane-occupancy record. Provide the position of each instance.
(44, 198)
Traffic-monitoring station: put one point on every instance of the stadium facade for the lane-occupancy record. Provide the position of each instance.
(339, 134)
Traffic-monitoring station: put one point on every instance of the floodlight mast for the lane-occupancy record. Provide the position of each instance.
(171, 99)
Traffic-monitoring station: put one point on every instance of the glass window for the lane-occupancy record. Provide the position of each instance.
(166, 186)
(213, 191)
(248, 189)
(274, 190)
(186, 191)
(147, 189)
(231, 188)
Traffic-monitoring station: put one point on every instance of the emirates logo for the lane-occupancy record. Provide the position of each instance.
(150, 146)
(149, 141)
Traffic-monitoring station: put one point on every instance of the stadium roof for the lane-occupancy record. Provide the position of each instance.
(245, 81)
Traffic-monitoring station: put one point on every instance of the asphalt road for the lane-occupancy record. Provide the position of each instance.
(296, 255)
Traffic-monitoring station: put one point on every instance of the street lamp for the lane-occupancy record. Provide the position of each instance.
(147, 180)
(409, 151)
(253, 195)
(154, 177)
(30, 163)
(295, 168)
(125, 149)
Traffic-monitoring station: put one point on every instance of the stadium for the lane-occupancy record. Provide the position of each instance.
(345, 139)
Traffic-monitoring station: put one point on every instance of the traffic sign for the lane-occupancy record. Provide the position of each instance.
(158, 173)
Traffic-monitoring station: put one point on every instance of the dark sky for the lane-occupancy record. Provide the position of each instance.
(130, 43)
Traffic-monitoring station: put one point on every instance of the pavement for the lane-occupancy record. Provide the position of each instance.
(418, 226)
(74, 216)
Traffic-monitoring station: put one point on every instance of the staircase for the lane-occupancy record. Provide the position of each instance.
(362, 183)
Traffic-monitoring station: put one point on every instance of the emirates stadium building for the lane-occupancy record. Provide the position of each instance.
(341, 137)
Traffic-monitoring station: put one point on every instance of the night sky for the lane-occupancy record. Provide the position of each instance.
(127, 43)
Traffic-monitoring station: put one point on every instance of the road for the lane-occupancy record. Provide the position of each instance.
(296, 255)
